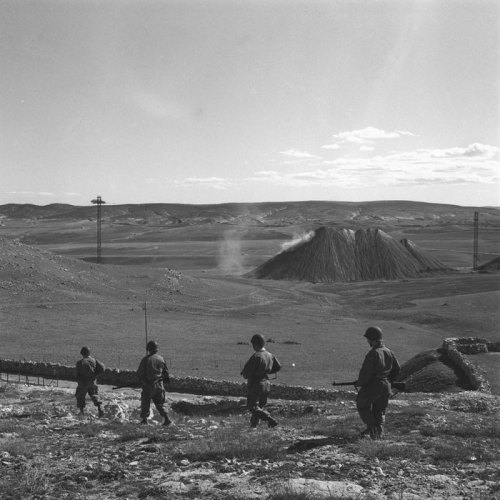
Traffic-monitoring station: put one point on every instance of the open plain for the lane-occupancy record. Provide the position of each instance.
(188, 264)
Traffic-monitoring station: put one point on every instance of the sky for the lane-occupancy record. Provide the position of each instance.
(215, 101)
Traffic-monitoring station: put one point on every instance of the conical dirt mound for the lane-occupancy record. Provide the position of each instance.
(344, 255)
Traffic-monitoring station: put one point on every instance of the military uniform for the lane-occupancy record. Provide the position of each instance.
(153, 373)
(87, 370)
(256, 371)
(379, 369)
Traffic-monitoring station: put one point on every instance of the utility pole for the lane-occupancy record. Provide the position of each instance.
(145, 307)
(475, 259)
(98, 201)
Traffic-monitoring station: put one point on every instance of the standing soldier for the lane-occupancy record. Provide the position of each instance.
(256, 371)
(153, 374)
(379, 369)
(87, 370)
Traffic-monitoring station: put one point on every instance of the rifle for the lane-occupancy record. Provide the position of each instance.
(132, 385)
(398, 386)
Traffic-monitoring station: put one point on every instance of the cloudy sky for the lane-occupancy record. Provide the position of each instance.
(213, 101)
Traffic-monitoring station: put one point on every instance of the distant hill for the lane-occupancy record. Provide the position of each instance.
(353, 214)
(330, 255)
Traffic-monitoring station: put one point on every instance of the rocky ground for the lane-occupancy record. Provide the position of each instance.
(436, 446)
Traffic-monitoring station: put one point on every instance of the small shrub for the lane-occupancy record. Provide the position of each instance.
(472, 404)
(408, 417)
(132, 432)
(385, 450)
(343, 428)
(286, 491)
(8, 426)
(19, 447)
(90, 430)
(232, 443)
(460, 451)
(455, 425)
(31, 482)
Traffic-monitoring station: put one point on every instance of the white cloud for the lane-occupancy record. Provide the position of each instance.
(299, 155)
(331, 146)
(208, 182)
(476, 164)
(366, 137)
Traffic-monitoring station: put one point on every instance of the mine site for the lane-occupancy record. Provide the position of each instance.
(310, 277)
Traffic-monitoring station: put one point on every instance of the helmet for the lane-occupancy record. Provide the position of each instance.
(84, 351)
(373, 333)
(258, 340)
(152, 346)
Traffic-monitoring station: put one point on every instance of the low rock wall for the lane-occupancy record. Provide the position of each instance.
(457, 349)
(187, 385)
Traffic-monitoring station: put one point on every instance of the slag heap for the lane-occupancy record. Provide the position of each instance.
(347, 255)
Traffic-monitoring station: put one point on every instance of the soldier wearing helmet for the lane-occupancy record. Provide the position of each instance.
(153, 374)
(87, 370)
(379, 369)
(256, 371)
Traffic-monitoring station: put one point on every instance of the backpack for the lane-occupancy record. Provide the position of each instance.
(276, 366)
(99, 367)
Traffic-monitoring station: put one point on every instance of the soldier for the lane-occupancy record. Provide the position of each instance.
(256, 371)
(153, 374)
(87, 370)
(379, 369)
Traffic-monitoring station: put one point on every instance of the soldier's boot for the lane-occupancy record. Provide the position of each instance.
(81, 412)
(271, 422)
(100, 412)
(374, 433)
(144, 421)
(364, 433)
(166, 421)
(254, 421)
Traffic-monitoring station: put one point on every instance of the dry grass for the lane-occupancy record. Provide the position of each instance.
(232, 443)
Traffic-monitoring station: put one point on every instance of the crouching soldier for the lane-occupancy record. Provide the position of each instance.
(153, 374)
(379, 369)
(256, 371)
(87, 370)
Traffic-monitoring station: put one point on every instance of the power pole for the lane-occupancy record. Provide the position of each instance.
(475, 259)
(98, 201)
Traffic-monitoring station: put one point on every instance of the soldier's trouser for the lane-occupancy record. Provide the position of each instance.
(81, 393)
(155, 394)
(257, 395)
(372, 402)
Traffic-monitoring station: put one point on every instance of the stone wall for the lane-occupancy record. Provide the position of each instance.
(187, 385)
(457, 349)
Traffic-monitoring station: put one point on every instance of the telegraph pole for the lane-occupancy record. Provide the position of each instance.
(98, 201)
(475, 258)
